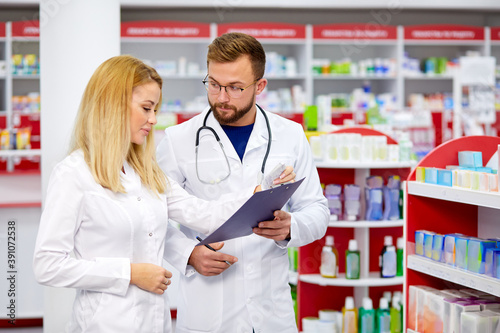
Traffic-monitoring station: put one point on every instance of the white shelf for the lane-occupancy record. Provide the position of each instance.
(20, 153)
(169, 40)
(455, 275)
(455, 194)
(361, 165)
(186, 77)
(26, 76)
(365, 224)
(374, 280)
(286, 77)
(428, 77)
(350, 77)
(293, 277)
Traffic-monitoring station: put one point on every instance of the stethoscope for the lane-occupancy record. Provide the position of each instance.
(218, 180)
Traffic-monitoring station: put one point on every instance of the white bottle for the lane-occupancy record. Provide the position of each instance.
(329, 259)
(387, 259)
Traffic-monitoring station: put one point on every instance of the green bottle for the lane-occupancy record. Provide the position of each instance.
(400, 256)
(367, 317)
(383, 317)
(352, 260)
(396, 323)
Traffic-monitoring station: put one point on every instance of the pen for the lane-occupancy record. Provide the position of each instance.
(211, 248)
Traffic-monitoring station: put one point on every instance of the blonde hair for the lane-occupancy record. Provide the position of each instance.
(230, 46)
(102, 129)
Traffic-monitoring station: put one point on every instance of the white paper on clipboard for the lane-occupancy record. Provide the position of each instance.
(260, 207)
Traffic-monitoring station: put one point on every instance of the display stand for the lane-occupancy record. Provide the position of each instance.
(315, 292)
(450, 210)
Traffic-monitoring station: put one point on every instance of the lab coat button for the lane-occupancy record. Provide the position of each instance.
(249, 300)
(249, 268)
(150, 234)
(138, 198)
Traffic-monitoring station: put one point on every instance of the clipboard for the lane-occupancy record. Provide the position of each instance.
(260, 207)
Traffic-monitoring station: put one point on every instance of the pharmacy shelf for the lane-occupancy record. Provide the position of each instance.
(26, 76)
(351, 77)
(455, 194)
(286, 77)
(374, 280)
(448, 273)
(361, 165)
(428, 77)
(365, 224)
(20, 153)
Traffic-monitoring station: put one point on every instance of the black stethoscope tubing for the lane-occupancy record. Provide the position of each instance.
(205, 127)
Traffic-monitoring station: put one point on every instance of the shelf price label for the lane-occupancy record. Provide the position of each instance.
(26, 29)
(165, 29)
(444, 32)
(365, 31)
(265, 30)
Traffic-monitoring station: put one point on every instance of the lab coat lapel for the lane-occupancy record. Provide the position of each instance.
(259, 134)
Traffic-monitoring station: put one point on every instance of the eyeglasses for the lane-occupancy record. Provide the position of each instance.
(214, 88)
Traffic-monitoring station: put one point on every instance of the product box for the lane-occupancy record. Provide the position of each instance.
(444, 177)
(470, 159)
(420, 174)
(479, 322)
(476, 254)
(438, 247)
(434, 312)
(449, 248)
(421, 237)
(461, 247)
(431, 175)
(492, 262)
(416, 300)
(453, 311)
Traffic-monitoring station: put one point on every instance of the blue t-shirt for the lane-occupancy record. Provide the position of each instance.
(238, 135)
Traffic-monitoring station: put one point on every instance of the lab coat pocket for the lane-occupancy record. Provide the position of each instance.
(280, 289)
(204, 311)
(88, 304)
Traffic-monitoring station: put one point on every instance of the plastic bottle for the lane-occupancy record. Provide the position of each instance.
(367, 317)
(387, 259)
(400, 243)
(329, 259)
(383, 317)
(349, 316)
(396, 323)
(352, 260)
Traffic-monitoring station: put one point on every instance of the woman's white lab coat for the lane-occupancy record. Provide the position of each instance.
(254, 292)
(107, 232)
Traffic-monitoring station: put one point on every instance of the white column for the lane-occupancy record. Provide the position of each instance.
(75, 37)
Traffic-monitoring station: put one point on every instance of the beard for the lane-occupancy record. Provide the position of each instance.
(228, 119)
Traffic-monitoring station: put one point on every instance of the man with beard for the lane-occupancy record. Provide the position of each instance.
(244, 286)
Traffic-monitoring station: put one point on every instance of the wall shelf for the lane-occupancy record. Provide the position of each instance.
(455, 275)
(455, 194)
(365, 224)
(362, 165)
(373, 280)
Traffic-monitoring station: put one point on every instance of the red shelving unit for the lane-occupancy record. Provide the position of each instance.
(448, 210)
(315, 293)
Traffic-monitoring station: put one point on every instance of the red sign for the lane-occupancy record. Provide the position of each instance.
(495, 33)
(26, 29)
(444, 32)
(2, 29)
(265, 30)
(165, 29)
(370, 31)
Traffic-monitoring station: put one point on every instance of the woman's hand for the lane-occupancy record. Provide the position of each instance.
(150, 277)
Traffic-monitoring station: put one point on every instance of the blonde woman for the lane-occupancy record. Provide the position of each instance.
(108, 202)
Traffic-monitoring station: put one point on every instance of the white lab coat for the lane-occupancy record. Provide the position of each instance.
(254, 292)
(107, 232)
